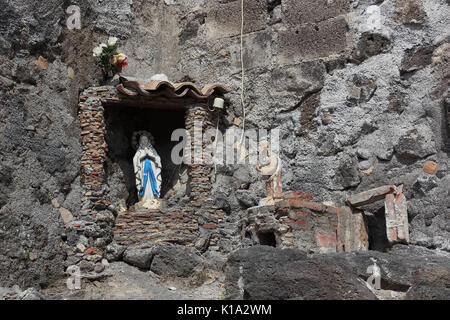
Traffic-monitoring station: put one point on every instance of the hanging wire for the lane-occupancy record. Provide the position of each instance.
(242, 72)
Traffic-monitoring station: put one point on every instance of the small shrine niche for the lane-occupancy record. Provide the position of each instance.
(126, 135)
(122, 123)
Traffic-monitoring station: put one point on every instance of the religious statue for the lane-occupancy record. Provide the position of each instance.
(270, 166)
(147, 169)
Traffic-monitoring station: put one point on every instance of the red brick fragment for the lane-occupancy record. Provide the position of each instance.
(93, 251)
(296, 203)
(327, 242)
(297, 194)
(430, 167)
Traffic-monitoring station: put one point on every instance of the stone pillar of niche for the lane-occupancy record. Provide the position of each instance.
(94, 148)
(199, 173)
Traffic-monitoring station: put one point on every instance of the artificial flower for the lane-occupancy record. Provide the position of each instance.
(119, 60)
(109, 58)
(112, 41)
(97, 51)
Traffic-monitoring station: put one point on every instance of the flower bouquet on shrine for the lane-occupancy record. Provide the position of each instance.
(110, 60)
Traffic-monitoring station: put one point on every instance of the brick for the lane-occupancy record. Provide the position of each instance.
(300, 222)
(93, 251)
(370, 196)
(296, 194)
(430, 167)
(352, 234)
(296, 203)
(397, 227)
(326, 242)
(301, 213)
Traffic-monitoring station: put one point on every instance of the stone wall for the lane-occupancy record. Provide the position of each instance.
(357, 107)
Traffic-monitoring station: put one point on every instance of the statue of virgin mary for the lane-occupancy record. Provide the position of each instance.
(147, 168)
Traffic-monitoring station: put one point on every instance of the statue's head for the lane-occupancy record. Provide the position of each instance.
(144, 141)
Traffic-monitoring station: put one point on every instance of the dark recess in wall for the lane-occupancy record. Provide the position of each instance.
(267, 238)
(122, 122)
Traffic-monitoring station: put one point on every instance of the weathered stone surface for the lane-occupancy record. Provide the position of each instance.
(308, 113)
(40, 133)
(224, 19)
(296, 12)
(259, 46)
(114, 251)
(246, 198)
(364, 165)
(141, 258)
(370, 44)
(430, 282)
(99, 267)
(81, 247)
(417, 142)
(410, 12)
(361, 89)
(417, 58)
(175, 261)
(263, 272)
(370, 196)
(313, 42)
(297, 194)
(347, 172)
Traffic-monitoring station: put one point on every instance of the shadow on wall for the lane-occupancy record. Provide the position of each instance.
(121, 123)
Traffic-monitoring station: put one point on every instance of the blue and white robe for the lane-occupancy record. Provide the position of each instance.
(147, 169)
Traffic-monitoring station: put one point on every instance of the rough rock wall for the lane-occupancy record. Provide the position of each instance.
(356, 108)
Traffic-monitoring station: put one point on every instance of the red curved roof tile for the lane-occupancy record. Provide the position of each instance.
(164, 88)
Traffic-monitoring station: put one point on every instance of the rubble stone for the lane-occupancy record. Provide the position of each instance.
(410, 12)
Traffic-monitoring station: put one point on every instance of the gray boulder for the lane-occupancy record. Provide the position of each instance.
(172, 260)
(114, 251)
(263, 272)
(141, 258)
